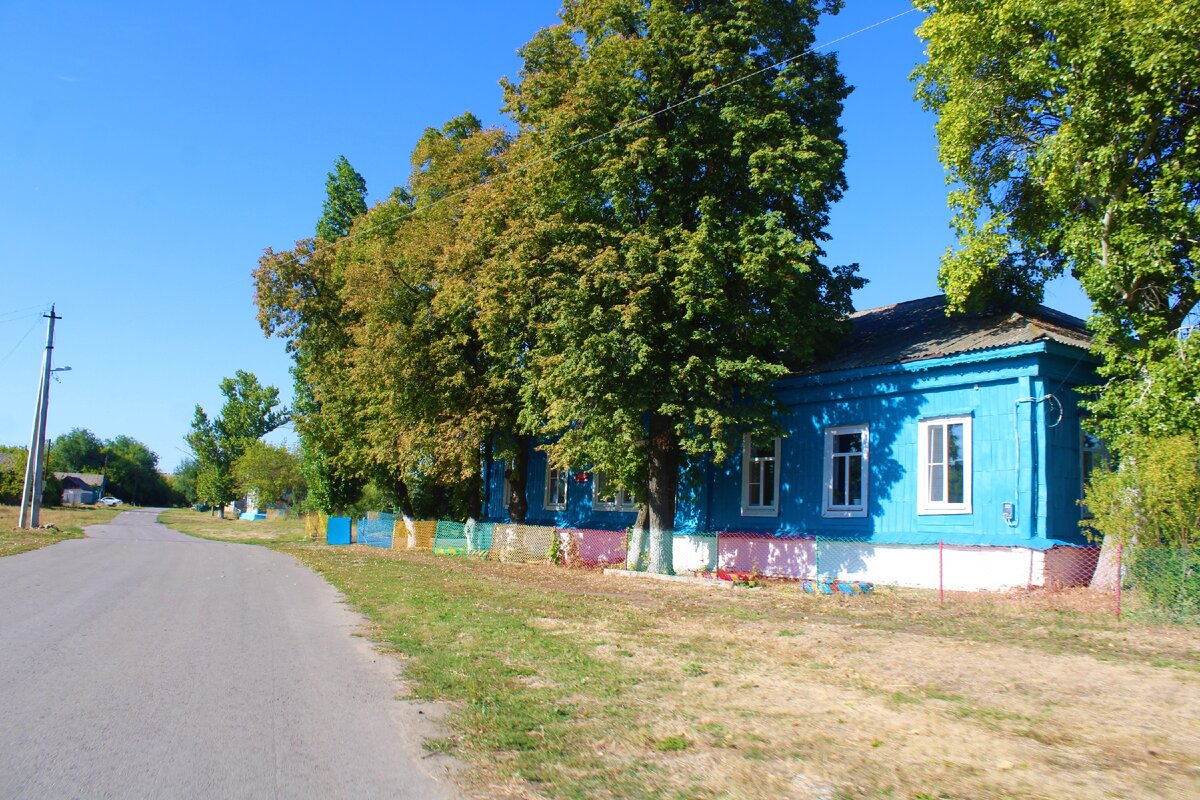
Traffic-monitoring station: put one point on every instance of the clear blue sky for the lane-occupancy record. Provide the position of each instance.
(150, 151)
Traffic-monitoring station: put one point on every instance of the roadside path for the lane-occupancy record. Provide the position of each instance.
(140, 662)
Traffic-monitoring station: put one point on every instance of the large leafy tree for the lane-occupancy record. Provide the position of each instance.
(132, 471)
(250, 412)
(677, 259)
(421, 371)
(77, 450)
(1070, 131)
(270, 472)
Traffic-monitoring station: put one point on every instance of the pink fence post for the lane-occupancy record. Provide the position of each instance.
(941, 572)
(1118, 580)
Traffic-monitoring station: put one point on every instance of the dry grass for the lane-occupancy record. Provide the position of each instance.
(259, 531)
(574, 684)
(58, 523)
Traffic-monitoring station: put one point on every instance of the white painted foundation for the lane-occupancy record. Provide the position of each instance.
(952, 567)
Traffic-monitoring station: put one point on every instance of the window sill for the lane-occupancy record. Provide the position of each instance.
(843, 513)
(937, 511)
(760, 512)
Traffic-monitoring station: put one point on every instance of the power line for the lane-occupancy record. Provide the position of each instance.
(21, 314)
(625, 126)
(22, 339)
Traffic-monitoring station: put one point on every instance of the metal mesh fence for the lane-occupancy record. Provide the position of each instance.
(480, 537)
(1150, 583)
(1162, 584)
(450, 538)
(375, 530)
(522, 544)
(315, 525)
(591, 548)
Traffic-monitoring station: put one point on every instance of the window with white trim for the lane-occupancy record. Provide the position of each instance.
(606, 497)
(944, 466)
(556, 489)
(760, 477)
(1092, 456)
(846, 471)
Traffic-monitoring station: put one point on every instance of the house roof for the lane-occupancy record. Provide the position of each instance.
(919, 329)
(80, 480)
(6, 459)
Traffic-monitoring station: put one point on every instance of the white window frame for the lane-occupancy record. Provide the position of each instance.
(622, 501)
(829, 507)
(758, 510)
(550, 503)
(924, 504)
(1099, 461)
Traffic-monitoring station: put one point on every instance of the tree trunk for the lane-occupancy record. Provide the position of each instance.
(662, 489)
(404, 506)
(1107, 575)
(475, 495)
(637, 539)
(518, 479)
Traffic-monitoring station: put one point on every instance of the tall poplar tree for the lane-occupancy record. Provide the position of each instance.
(678, 258)
(298, 295)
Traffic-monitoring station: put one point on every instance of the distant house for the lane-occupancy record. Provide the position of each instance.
(81, 488)
(922, 429)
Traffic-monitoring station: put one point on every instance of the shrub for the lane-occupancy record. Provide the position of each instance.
(1151, 503)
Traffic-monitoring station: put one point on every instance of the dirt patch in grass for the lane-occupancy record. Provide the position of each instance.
(257, 531)
(572, 684)
(57, 524)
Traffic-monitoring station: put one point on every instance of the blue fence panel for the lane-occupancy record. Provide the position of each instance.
(377, 532)
(337, 531)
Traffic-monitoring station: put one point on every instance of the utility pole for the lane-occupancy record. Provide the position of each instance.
(31, 494)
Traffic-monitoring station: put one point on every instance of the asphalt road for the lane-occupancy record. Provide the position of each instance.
(140, 662)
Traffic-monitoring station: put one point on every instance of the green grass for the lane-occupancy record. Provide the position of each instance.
(562, 683)
(67, 522)
(259, 531)
(528, 695)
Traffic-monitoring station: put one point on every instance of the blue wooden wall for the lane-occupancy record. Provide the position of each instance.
(892, 399)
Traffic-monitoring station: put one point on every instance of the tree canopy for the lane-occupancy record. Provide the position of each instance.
(130, 467)
(345, 200)
(1069, 130)
(269, 472)
(250, 412)
(623, 279)
(678, 259)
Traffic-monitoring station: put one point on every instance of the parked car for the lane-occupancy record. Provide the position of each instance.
(109, 501)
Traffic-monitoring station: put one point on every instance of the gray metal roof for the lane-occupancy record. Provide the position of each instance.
(920, 329)
(79, 480)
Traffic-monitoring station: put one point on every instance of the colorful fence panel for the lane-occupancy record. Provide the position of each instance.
(592, 548)
(450, 538)
(480, 536)
(376, 530)
(760, 554)
(424, 532)
(337, 530)
(522, 544)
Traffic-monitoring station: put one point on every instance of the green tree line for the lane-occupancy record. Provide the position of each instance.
(621, 277)
(626, 305)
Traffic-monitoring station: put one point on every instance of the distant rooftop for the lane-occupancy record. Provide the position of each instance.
(919, 329)
(80, 480)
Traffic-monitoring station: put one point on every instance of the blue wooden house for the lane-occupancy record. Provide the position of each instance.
(923, 431)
